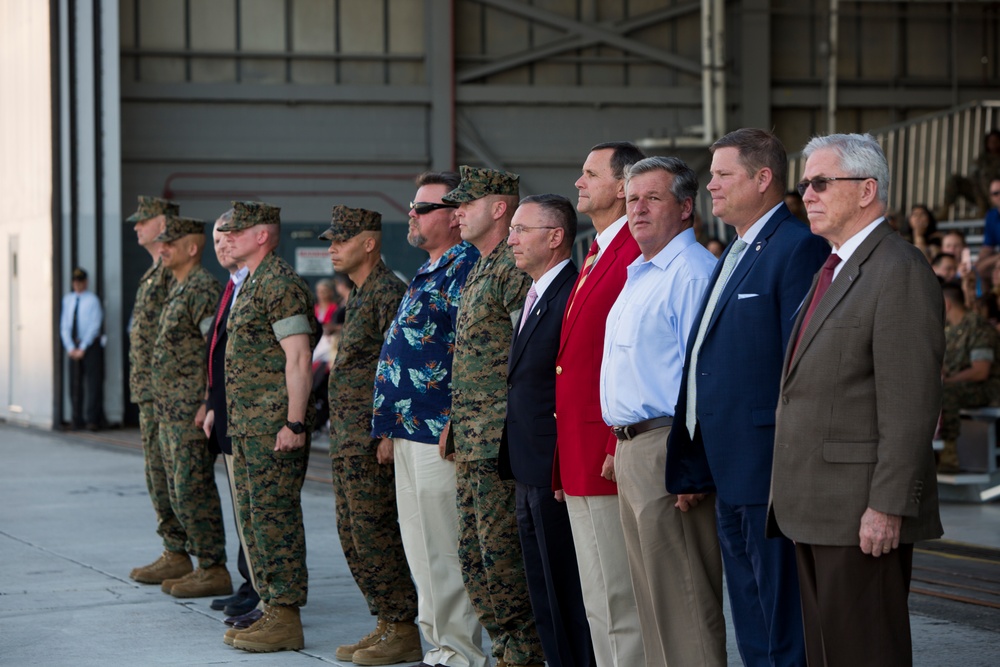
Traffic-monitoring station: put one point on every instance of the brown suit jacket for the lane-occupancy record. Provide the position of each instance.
(859, 401)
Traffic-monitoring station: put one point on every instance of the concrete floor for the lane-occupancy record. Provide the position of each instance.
(75, 518)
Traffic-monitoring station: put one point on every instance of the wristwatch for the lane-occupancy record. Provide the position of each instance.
(296, 427)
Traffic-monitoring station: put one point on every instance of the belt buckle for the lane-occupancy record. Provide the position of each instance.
(623, 432)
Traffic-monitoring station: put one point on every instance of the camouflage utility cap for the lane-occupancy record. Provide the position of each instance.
(346, 223)
(477, 183)
(150, 207)
(177, 227)
(246, 214)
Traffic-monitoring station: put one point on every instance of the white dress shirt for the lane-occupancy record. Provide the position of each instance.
(647, 331)
(605, 238)
(845, 251)
(238, 279)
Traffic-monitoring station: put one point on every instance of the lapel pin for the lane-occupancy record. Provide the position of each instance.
(758, 248)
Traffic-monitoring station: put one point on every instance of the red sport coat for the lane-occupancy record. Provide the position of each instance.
(583, 440)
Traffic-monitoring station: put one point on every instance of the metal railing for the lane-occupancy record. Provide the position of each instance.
(925, 152)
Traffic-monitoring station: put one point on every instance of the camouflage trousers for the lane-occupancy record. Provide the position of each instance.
(168, 527)
(367, 521)
(190, 472)
(269, 502)
(955, 397)
(489, 550)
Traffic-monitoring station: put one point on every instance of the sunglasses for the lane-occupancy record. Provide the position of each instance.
(425, 207)
(820, 182)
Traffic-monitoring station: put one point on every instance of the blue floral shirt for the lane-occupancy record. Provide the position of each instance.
(413, 378)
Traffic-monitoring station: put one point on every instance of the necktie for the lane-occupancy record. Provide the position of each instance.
(825, 278)
(529, 303)
(75, 333)
(588, 264)
(713, 299)
(226, 296)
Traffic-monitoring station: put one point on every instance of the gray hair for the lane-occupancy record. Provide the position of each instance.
(685, 185)
(859, 155)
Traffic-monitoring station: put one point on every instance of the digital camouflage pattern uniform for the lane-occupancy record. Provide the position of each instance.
(489, 547)
(179, 375)
(149, 299)
(365, 490)
(273, 304)
(972, 339)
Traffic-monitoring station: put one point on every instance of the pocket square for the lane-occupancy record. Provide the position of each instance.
(746, 296)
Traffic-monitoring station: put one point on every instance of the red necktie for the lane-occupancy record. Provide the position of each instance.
(588, 264)
(825, 278)
(226, 296)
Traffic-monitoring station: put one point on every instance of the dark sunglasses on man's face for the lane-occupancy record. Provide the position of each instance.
(425, 207)
(820, 182)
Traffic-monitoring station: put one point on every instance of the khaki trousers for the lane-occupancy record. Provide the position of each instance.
(607, 595)
(428, 522)
(674, 559)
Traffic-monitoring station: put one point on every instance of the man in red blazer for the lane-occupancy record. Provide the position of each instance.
(583, 472)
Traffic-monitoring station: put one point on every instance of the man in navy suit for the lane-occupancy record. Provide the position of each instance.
(723, 435)
(542, 232)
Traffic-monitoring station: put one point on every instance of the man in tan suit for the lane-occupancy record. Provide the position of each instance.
(853, 481)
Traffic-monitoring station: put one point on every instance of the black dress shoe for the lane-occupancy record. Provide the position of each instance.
(221, 603)
(242, 606)
(246, 620)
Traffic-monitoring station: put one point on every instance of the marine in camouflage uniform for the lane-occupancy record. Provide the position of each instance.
(179, 378)
(968, 339)
(272, 309)
(489, 548)
(149, 299)
(365, 490)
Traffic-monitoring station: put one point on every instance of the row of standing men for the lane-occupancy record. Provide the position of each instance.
(499, 370)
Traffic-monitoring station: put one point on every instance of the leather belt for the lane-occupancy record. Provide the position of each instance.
(632, 430)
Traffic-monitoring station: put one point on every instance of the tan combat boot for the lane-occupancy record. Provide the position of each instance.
(280, 629)
(230, 637)
(401, 643)
(167, 584)
(346, 652)
(170, 565)
(948, 458)
(202, 583)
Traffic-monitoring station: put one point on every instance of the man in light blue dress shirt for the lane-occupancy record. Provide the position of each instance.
(80, 331)
(672, 547)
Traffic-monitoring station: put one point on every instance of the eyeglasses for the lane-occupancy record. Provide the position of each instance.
(520, 229)
(425, 207)
(820, 182)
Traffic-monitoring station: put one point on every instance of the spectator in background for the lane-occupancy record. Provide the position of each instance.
(971, 372)
(989, 258)
(920, 229)
(80, 330)
(974, 188)
(715, 246)
(326, 302)
(953, 243)
(793, 200)
(988, 308)
(945, 267)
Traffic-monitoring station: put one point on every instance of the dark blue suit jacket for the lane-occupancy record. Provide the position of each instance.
(739, 366)
(217, 393)
(528, 442)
